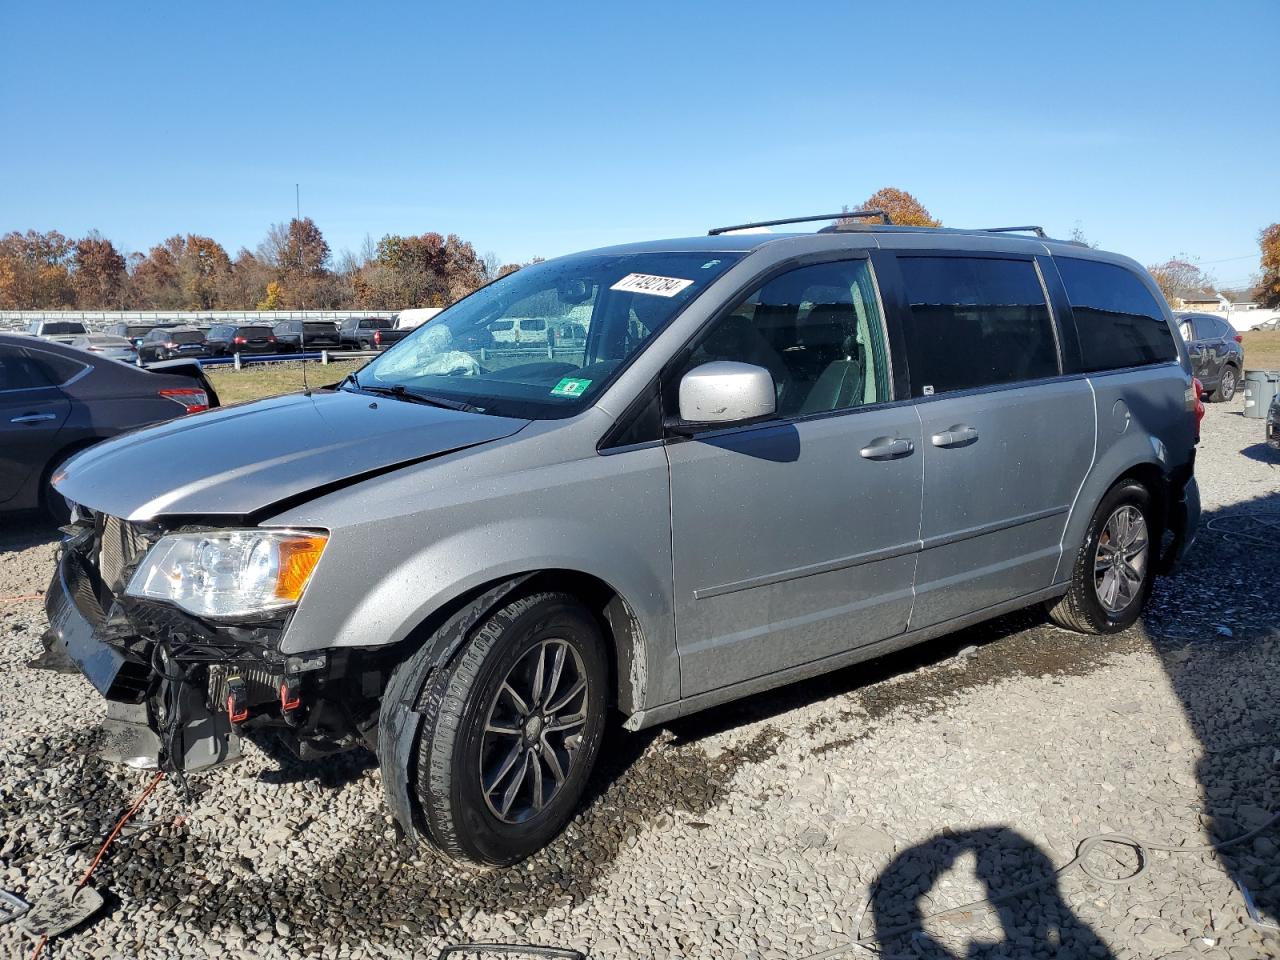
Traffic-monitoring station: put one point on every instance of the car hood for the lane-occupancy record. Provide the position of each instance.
(239, 460)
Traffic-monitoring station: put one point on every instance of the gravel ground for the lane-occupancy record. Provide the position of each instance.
(772, 828)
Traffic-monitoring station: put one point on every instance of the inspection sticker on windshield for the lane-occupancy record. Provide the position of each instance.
(648, 283)
(570, 387)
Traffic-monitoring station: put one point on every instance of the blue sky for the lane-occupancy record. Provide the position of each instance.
(541, 128)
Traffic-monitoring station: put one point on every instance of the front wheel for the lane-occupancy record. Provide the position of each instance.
(1114, 569)
(1226, 386)
(511, 730)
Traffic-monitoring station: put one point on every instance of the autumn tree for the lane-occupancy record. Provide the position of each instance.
(98, 274)
(903, 209)
(35, 270)
(155, 280)
(1180, 277)
(1269, 287)
(429, 270)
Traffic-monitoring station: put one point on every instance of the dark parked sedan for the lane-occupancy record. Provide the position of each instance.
(56, 400)
(171, 343)
(1217, 354)
(224, 339)
(295, 335)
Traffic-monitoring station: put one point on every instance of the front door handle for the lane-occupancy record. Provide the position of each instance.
(887, 448)
(34, 418)
(956, 435)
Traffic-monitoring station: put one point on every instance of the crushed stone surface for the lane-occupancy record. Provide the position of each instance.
(856, 804)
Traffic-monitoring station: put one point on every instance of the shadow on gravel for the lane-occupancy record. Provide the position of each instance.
(1262, 453)
(1035, 923)
(23, 530)
(1216, 628)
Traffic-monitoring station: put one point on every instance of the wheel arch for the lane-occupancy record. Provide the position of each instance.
(448, 626)
(1149, 472)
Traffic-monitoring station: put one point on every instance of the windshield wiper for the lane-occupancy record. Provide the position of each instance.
(351, 378)
(401, 392)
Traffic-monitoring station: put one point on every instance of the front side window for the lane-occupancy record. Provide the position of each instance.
(1117, 319)
(816, 329)
(976, 322)
(491, 350)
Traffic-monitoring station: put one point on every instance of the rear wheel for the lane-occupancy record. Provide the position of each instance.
(511, 730)
(1114, 569)
(1226, 386)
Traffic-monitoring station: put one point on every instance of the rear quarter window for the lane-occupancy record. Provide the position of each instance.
(1117, 319)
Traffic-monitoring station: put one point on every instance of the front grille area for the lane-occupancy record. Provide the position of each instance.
(121, 544)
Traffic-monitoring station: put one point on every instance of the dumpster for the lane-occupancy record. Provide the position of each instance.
(1259, 387)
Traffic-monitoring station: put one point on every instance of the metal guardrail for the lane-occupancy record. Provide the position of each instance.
(325, 357)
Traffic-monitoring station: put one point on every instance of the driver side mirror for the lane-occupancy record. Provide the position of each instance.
(725, 392)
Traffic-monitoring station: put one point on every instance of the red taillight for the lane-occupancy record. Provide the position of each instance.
(377, 336)
(1198, 389)
(237, 340)
(171, 345)
(1239, 338)
(191, 398)
(271, 339)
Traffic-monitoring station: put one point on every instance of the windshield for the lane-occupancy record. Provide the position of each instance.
(500, 349)
(62, 326)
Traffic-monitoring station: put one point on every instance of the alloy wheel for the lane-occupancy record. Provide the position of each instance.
(1120, 564)
(533, 730)
(1228, 386)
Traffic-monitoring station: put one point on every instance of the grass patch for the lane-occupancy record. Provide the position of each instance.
(1262, 350)
(273, 379)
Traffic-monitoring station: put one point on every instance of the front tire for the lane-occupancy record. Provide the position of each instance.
(511, 730)
(1115, 568)
(1226, 386)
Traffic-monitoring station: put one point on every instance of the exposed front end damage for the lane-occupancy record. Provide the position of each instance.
(182, 690)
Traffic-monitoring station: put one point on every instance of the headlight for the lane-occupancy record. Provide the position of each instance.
(228, 573)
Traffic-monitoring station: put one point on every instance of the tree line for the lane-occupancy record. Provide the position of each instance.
(292, 268)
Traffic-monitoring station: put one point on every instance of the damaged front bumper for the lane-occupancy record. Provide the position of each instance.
(181, 692)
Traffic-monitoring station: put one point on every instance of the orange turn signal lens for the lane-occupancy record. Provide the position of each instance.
(298, 558)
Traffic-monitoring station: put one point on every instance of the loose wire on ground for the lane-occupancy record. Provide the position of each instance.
(93, 865)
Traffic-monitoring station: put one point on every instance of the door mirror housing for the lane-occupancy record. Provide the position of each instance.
(725, 392)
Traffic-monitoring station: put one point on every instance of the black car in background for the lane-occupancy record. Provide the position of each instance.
(225, 339)
(171, 343)
(297, 335)
(1217, 356)
(55, 400)
(137, 332)
(357, 333)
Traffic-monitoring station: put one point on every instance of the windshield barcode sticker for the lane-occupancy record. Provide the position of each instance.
(648, 283)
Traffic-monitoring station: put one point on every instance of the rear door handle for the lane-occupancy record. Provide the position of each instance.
(34, 418)
(956, 435)
(887, 448)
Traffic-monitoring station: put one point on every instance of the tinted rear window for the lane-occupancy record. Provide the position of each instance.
(62, 327)
(187, 336)
(375, 324)
(319, 328)
(1118, 320)
(254, 332)
(976, 322)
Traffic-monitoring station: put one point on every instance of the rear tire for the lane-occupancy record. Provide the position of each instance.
(1115, 568)
(1226, 387)
(499, 776)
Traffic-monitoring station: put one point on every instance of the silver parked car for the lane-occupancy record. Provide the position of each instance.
(771, 455)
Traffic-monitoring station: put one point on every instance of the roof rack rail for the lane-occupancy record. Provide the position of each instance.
(1038, 231)
(849, 214)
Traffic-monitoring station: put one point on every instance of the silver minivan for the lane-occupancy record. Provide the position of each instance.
(771, 455)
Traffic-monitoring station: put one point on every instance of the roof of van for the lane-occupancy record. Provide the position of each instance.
(875, 236)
